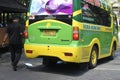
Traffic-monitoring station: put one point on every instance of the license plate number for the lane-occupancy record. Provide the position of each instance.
(49, 32)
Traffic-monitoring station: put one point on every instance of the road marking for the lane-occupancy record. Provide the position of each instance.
(107, 69)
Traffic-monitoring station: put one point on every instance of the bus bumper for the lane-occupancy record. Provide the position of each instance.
(64, 53)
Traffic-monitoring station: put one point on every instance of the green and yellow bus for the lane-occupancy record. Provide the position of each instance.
(76, 31)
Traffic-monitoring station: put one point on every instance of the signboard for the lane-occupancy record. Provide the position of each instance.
(48, 7)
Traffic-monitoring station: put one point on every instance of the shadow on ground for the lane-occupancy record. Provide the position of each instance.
(61, 68)
(66, 69)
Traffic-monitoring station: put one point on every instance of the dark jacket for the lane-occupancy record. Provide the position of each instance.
(14, 31)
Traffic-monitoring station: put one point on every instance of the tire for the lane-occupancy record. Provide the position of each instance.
(93, 58)
(112, 53)
(48, 61)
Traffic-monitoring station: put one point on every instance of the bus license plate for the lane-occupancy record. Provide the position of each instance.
(49, 32)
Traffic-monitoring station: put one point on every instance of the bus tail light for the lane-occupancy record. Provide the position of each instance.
(75, 33)
(26, 33)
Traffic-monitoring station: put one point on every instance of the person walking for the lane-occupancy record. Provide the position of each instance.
(14, 33)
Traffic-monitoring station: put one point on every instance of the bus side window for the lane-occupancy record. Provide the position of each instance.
(102, 16)
(115, 22)
(87, 14)
(95, 15)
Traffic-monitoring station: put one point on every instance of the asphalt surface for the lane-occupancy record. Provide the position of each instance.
(106, 70)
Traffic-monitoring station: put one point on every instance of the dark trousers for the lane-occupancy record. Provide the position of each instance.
(16, 51)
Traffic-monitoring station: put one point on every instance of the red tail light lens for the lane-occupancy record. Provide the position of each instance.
(26, 33)
(75, 36)
(75, 33)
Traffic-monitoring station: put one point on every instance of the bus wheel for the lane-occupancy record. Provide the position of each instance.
(48, 61)
(112, 53)
(93, 58)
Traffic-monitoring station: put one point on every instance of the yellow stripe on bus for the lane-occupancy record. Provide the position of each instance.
(101, 28)
(50, 20)
(78, 24)
(27, 23)
(77, 12)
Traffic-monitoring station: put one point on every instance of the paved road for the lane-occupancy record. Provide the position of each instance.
(119, 38)
(106, 70)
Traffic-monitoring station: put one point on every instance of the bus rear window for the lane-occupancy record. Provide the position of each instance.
(51, 7)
